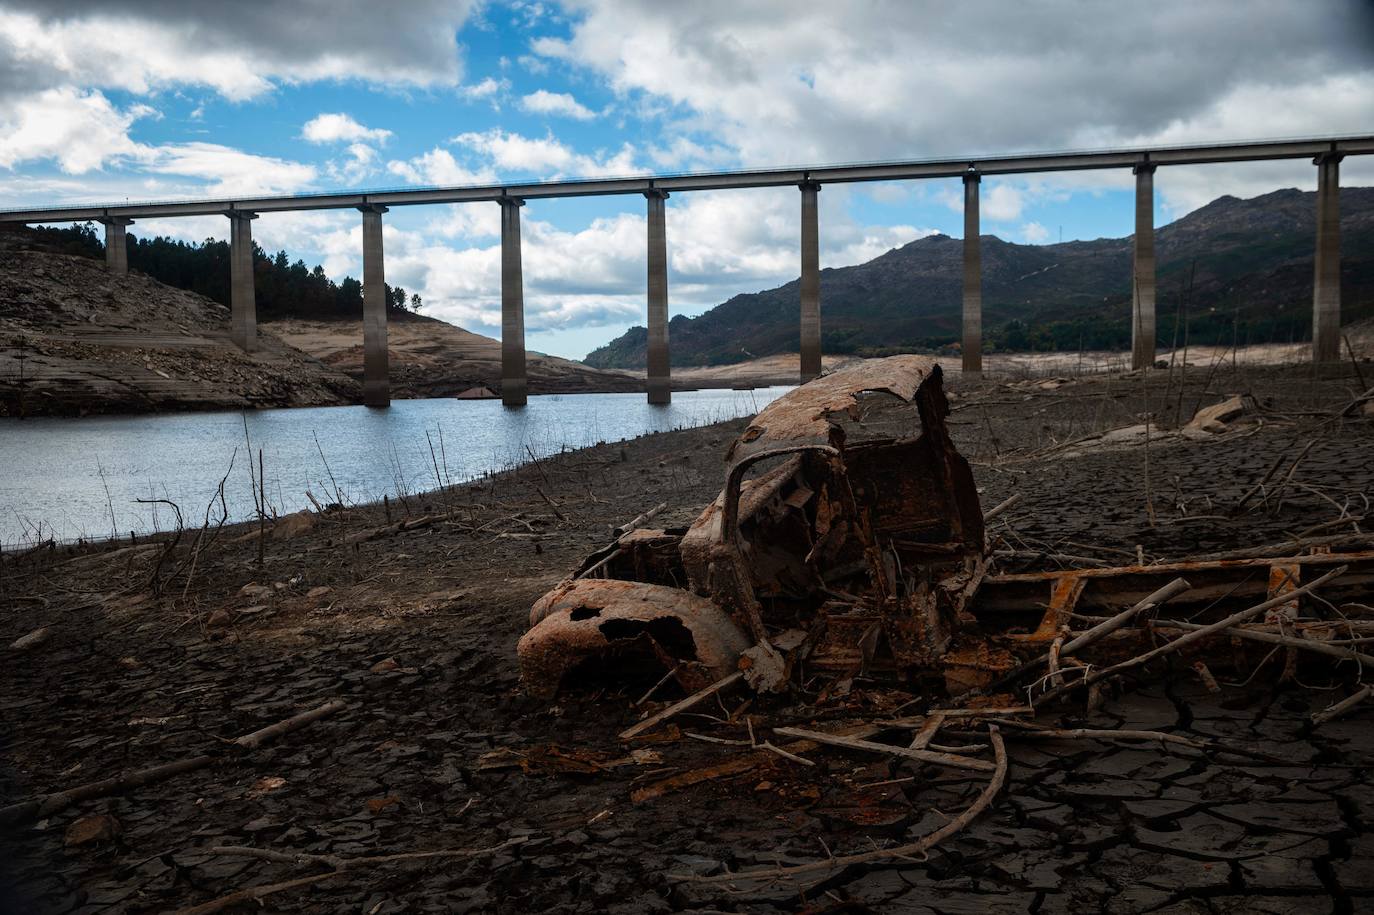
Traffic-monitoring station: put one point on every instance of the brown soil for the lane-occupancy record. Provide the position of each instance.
(144, 668)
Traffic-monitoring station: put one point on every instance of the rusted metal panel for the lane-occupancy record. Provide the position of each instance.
(589, 620)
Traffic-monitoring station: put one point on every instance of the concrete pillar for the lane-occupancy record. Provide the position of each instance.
(243, 303)
(660, 383)
(810, 283)
(1326, 291)
(973, 277)
(1143, 273)
(514, 382)
(117, 244)
(376, 363)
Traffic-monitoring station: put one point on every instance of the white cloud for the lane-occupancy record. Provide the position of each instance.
(485, 89)
(82, 131)
(561, 104)
(339, 127)
(229, 172)
(1033, 233)
(546, 157)
(438, 167)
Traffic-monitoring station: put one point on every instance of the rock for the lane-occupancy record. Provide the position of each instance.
(1214, 418)
(254, 590)
(220, 619)
(95, 827)
(32, 640)
(318, 592)
(385, 665)
(293, 525)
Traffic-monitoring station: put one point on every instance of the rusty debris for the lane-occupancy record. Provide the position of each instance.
(848, 541)
(862, 525)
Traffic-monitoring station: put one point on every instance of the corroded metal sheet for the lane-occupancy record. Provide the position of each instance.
(588, 619)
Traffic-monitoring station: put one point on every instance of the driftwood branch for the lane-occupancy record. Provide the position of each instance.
(339, 865)
(654, 721)
(49, 804)
(1193, 636)
(912, 849)
(870, 746)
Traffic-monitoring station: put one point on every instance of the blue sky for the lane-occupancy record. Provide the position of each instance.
(159, 99)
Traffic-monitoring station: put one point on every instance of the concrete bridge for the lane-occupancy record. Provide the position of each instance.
(1325, 153)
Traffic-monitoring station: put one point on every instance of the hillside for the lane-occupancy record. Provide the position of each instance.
(432, 358)
(1250, 263)
(76, 340)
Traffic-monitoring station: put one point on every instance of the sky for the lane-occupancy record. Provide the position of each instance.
(163, 99)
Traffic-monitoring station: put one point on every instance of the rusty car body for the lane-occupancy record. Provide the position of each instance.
(848, 536)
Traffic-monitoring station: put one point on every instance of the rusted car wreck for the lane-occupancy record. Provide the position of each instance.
(848, 538)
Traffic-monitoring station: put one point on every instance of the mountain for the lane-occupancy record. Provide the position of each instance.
(1241, 267)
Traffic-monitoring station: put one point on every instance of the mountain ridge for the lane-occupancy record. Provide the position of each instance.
(1241, 266)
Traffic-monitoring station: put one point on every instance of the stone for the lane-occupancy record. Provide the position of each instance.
(32, 640)
(293, 525)
(95, 827)
(1214, 418)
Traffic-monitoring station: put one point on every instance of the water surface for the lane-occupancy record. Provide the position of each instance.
(81, 477)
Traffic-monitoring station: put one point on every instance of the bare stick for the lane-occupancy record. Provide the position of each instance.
(1193, 743)
(919, 847)
(340, 865)
(1346, 704)
(1198, 634)
(1275, 638)
(784, 754)
(1106, 627)
(655, 720)
(48, 804)
(1001, 507)
(927, 732)
(870, 746)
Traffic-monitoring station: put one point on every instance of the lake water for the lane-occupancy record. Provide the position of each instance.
(73, 478)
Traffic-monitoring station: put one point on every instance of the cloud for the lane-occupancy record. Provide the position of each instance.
(239, 48)
(82, 131)
(1033, 233)
(229, 172)
(438, 168)
(561, 104)
(488, 88)
(783, 83)
(546, 157)
(335, 128)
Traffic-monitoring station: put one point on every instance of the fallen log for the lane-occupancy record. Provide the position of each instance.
(48, 804)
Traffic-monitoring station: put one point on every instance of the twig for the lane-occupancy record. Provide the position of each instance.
(1195, 635)
(340, 865)
(655, 720)
(912, 849)
(870, 746)
(48, 804)
(1346, 704)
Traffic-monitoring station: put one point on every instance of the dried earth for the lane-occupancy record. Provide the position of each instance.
(439, 748)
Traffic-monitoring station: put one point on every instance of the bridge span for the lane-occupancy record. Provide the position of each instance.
(1326, 154)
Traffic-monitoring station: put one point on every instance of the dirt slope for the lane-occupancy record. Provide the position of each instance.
(75, 340)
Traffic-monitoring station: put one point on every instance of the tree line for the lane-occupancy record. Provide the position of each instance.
(283, 289)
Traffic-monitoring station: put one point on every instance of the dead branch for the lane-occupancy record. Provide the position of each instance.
(340, 865)
(912, 849)
(48, 804)
(654, 721)
(1195, 635)
(1345, 705)
(870, 746)
(1035, 732)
